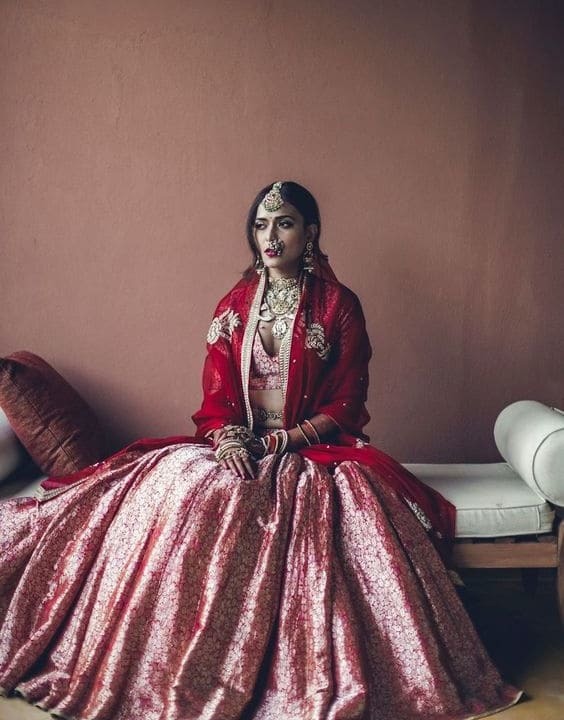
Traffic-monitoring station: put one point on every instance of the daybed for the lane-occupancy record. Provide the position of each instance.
(508, 513)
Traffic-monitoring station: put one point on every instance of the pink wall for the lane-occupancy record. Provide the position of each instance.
(134, 135)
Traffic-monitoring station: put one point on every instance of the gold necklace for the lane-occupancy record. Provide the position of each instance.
(280, 304)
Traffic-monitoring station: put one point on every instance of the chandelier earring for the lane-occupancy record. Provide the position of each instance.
(308, 257)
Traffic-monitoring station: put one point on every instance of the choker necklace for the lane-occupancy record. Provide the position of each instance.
(280, 304)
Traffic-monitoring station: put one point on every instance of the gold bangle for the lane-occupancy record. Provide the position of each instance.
(238, 452)
(226, 447)
(300, 428)
(314, 431)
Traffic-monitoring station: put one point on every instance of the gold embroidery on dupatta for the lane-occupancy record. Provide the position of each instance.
(247, 347)
(223, 326)
(419, 514)
(315, 340)
(286, 349)
(41, 495)
(284, 357)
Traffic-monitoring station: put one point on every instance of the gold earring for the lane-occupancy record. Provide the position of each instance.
(308, 257)
(259, 265)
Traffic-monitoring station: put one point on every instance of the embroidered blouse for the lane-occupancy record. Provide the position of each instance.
(265, 368)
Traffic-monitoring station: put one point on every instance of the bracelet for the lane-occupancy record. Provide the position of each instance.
(300, 428)
(229, 447)
(284, 441)
(269, 442)
(275, 443)
(237, 452)
(314, 431)
(238, 432)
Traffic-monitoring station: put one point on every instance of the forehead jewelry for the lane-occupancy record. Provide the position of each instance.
(273, 200)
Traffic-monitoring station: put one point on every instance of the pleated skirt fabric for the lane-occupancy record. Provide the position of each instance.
(165, 588)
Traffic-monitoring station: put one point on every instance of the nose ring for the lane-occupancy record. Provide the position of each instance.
(276, 245)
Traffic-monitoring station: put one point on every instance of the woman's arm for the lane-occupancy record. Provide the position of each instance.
(312, 431)
(345, 383)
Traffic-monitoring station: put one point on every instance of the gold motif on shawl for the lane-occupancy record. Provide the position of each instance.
(223, 326)
(315, 340)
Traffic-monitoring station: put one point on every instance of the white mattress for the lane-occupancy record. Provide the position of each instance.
(491, 500)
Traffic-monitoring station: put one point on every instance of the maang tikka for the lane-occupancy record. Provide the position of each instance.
(273, 199)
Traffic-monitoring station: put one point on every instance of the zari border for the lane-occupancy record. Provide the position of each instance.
(41, 495)
(247, 346)
(286, 349)
(489, 713)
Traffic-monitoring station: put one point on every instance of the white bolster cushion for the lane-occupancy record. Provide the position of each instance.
(530, 437)
(10, 452)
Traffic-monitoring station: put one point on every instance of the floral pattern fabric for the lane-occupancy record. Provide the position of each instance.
(160, 586)
(265, 368)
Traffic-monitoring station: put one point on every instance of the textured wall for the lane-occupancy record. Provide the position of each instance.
(135, 133)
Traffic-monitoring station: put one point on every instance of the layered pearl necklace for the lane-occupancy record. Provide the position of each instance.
(280, 304)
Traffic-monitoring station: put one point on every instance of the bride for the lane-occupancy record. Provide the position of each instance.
(273, 566)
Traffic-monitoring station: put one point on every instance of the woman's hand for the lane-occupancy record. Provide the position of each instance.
(241, 465)
(236, 458)
(218, 435)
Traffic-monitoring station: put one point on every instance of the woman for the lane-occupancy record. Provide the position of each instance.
(274, 566)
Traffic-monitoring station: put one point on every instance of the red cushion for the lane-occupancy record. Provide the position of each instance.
(52, 421)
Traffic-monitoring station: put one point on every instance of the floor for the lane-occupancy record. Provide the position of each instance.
(521, 631)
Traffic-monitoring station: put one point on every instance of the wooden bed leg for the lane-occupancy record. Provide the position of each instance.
(560, 570)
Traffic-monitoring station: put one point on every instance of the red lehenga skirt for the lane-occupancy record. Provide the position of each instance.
(164, 588)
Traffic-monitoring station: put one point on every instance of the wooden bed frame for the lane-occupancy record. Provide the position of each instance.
(528, 552)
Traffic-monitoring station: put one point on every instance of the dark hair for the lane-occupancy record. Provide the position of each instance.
(293, 193)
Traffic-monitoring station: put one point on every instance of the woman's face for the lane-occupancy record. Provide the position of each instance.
(281, 237)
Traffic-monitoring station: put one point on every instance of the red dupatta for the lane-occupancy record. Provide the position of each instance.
(324, 369)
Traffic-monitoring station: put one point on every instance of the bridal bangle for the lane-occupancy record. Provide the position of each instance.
(309, 433)
(303, 432)
(234, 443)
(230, 448)
(275, 443)
(316, 437)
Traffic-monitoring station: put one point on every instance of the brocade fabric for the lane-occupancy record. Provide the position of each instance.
(159, 586)
(265, 368)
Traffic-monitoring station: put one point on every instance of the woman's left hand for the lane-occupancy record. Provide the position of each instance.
(240, 464)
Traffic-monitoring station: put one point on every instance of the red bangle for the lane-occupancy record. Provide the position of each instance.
(271, 443)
